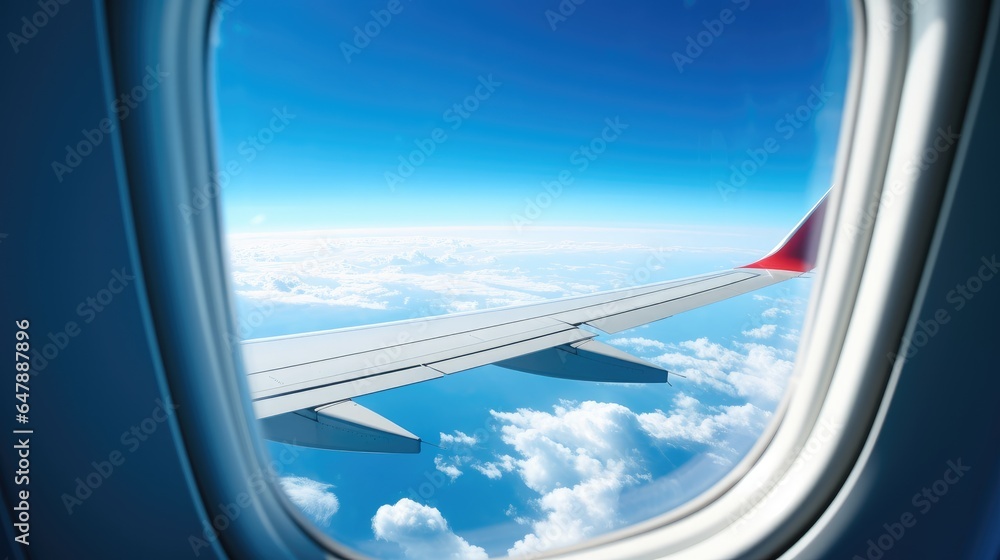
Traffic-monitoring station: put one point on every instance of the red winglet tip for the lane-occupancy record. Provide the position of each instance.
(797, 252)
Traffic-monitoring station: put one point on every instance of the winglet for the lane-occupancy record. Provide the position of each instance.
(797, 252)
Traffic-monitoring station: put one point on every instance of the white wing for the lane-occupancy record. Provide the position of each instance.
(302, 384)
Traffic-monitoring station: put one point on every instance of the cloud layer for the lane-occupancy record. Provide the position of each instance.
(580, 457)
(440, 271)
(751, 370)
(422, 532)
(312, 497)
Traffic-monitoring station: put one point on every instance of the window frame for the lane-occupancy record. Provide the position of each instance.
(842, 379)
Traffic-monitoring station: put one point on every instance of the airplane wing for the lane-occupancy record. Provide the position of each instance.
(302, 385)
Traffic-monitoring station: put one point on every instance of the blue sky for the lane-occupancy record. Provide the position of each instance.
(373, 170)
(353, 120)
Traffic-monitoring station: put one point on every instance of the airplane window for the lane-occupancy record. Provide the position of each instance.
(392, 161)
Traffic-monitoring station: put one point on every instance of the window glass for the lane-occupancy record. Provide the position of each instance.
(392, 160)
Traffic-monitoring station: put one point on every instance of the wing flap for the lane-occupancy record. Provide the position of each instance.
(345, 426)
(469, 361)
(588, 360)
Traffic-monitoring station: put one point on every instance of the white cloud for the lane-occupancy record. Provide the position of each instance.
(450, 470)
(762, 374)
(755, 371)
(690, 421)
(578, 459)
(458, 439)
(489, 470)
(450, 274)
(312, 497)
(792, 335)
(446, 269)
(581, 457)
(422, 532)
(459, 448)
(495, 469)
(638, 343)
(763, 331)
(787, 299)
(775, 312)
